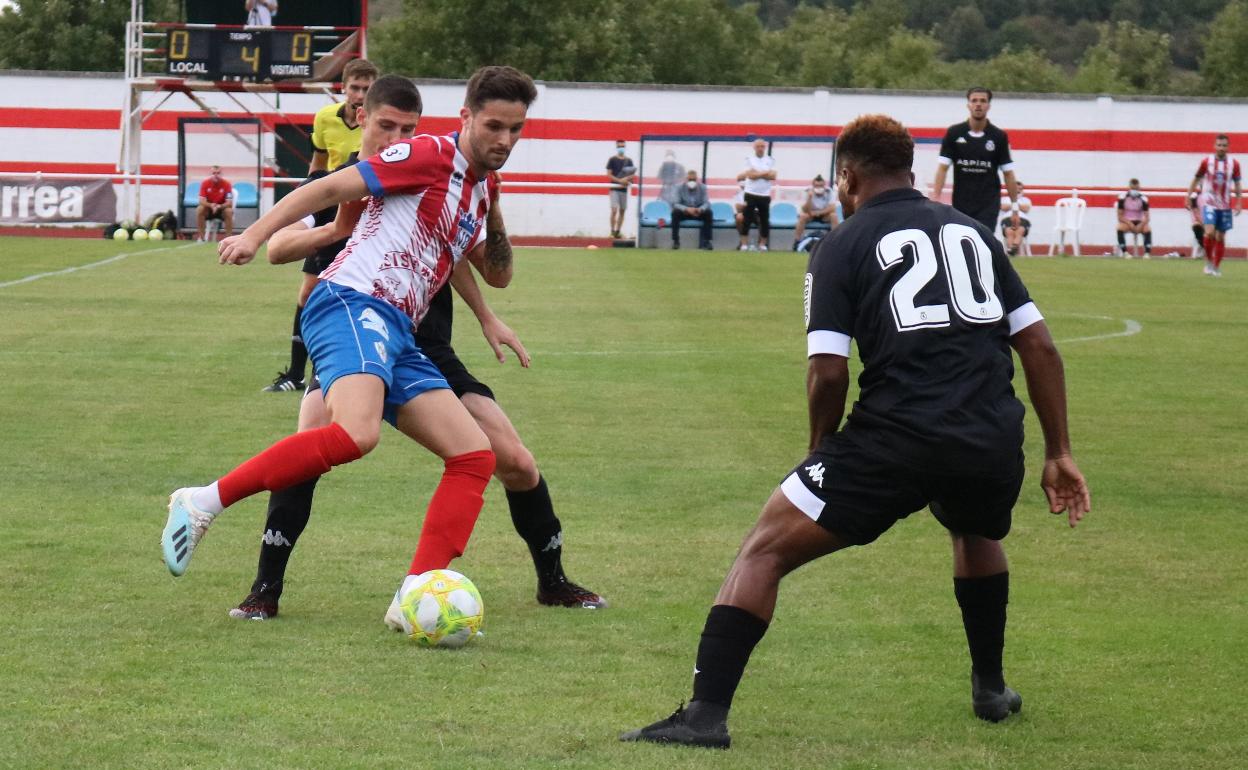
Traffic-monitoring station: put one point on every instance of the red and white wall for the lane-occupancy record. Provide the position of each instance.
(69, 123)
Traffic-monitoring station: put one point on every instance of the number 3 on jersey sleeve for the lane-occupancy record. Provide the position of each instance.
(983, 309)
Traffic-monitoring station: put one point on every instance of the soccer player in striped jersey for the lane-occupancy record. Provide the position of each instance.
(1216, 174)
(430, 206)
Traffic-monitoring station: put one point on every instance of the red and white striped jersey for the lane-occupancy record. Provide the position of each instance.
(426, 212)
(1218, 173)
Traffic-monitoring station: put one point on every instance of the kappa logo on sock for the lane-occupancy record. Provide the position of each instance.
(275, 538)
(816, 473)
(555, 543)
(371, 321)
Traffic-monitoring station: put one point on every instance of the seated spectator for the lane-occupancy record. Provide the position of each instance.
(692, 203)
(819, 206)
(216, 201)
(1016, 226)
(1133, 218)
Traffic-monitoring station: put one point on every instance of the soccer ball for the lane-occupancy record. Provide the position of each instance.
(441, 609)
(139, 234)
(120, 234)
(155, 234)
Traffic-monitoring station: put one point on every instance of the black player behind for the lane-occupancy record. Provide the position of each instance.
(935, 307)
(392, 109)
(979, 153)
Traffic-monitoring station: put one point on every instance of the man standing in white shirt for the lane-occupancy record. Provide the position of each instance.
(260, 13)
(759, 173)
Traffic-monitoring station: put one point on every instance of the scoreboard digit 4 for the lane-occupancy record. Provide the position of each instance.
(215, 54)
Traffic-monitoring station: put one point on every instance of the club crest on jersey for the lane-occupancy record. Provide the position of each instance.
(466, 230)
(396, 152)
(457, 179)
(990, 145)
(371, 321)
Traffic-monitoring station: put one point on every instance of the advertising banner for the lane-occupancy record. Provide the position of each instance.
(26, 200)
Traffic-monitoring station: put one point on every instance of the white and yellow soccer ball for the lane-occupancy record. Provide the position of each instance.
(155, 234)
(139, 234)
(441, 609)
(121, 234)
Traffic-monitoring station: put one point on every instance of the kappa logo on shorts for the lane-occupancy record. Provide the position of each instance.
(381, 350)
(396, 152)
(816, 473)
(371, 321)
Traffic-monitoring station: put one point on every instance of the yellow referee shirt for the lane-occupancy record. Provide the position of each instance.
(331, 134)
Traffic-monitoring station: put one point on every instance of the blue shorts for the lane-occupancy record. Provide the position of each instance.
(349, 332)
(1221, 219)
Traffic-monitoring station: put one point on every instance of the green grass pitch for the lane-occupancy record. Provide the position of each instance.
(666, 401)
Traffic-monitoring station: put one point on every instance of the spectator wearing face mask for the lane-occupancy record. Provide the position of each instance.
(819, 206)
(1133, 217)
(692, 203)
(621, 171)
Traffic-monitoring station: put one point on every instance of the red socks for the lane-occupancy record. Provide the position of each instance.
(290, 461)
(1211, 248)
(453, 511)
(1219, 252)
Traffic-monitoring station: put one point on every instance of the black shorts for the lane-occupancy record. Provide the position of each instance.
(859, 495)
(443, 357)
(456, 374)
(316, 264)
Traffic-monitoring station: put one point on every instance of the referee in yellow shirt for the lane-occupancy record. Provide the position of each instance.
(335, 131)
(335, 135)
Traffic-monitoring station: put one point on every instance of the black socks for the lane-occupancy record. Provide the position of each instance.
(298, 352)
(983, 602)
(289, 511)
(728, 638)
(533, 516)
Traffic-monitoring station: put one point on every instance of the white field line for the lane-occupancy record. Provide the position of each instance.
(76, 268)
(1130, 328)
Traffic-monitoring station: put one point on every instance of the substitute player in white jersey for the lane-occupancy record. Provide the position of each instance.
(431, 206)
(1216, 173)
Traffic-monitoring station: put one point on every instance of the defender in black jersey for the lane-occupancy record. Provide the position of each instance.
(979, 153)
(935, 307)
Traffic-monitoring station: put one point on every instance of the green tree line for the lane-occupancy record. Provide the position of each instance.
(1199, 47)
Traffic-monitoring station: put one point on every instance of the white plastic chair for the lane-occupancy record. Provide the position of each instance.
(1068, 218)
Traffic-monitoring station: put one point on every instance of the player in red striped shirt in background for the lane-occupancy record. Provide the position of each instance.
(1216, 174)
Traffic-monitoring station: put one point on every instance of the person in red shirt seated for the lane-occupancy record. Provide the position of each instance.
(216, 201)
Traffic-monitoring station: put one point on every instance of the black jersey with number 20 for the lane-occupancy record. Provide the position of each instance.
(931, 299)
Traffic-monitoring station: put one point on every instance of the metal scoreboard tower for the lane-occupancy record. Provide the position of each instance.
(166, 58)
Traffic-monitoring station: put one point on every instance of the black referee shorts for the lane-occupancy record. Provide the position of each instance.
(859, 495)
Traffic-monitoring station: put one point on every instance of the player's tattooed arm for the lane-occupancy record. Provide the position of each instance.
(827, 384)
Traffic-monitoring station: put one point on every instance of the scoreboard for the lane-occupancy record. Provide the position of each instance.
(216, 54)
